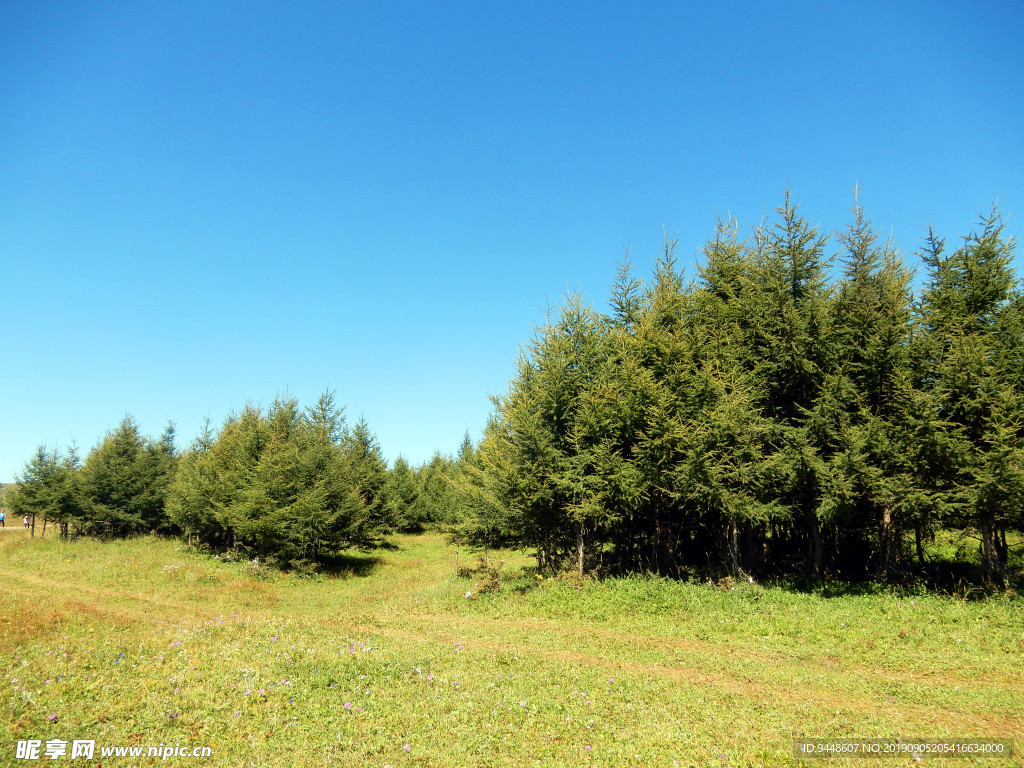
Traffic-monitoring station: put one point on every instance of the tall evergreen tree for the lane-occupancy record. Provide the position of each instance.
(860, 417)
(48, 490)
(967, 359)
(124, 479)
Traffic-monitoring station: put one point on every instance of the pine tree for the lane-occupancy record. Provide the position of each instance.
(858, 417)
(124, 479)
(627, 296)
(402, 494)
(533, 450)
(48, 489)
(368, 478)
(967, 359)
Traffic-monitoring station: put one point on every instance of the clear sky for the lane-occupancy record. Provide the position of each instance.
(208, 203)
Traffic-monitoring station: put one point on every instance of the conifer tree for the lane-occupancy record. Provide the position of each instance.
(124, 480)
(48, 489)
(289, 484)
(859, 417)
(368, 476)
(402, 494)
(534, 449)
(967, 359)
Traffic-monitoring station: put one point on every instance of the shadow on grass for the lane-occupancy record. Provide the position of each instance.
(949, 578)
(346, 565)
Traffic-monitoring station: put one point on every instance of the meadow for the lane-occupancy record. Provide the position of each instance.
(392, 660)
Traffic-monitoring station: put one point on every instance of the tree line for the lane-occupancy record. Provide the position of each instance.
(283, 483)
(795, 408)
(788, 410)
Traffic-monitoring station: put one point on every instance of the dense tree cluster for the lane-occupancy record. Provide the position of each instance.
(771, 415)
(286, 483)
(795, 408)
(289, 484)
(118, 491)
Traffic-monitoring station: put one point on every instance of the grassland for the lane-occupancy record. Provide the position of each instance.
(390, 663)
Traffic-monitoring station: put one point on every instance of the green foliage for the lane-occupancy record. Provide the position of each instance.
(49, 489)
(119, 491)
(767, 417)
(967, 381)
(287, 484)
(124, 481)
(402, 495)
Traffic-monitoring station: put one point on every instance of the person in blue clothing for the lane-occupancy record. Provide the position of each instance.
(3, 517)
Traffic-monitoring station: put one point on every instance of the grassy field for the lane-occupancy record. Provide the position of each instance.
(396, 662)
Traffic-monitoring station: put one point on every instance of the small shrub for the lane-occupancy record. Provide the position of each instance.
(487, 575)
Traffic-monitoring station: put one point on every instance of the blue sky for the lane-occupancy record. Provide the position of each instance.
(208, 203)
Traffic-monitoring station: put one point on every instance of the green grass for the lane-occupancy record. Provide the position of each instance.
(146, 642)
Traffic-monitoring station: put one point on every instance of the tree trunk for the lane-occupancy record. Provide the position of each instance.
(886, 541)
(579, 547)
(815, 550)
(991, 564)
(734, 548)
(919, 544)
(1002, 549)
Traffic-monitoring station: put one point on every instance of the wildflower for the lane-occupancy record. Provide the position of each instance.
(406, 747)
(262, 690)
(52, 717)
(522, 703)
(348, 705)
(273, 639)
(469, 594)
(235, 714)
(587, 747)
(247, 692)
